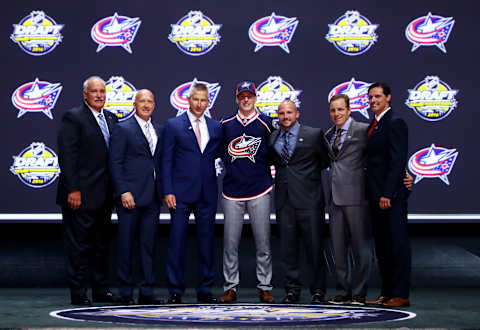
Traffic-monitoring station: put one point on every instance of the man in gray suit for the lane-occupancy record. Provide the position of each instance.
(299, 154)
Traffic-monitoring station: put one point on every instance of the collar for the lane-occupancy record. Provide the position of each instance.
(193, 118)
(142, 122)
(293, 130)
(346, 125)
(382, 114)
(95, 112)
(245, 120)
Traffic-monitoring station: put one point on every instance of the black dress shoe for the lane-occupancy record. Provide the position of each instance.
(81, 301)
(174, 298)
(318, 298)
(206, 299)
(107, 297)
(291, 298)
(147, 300)
(126, 301)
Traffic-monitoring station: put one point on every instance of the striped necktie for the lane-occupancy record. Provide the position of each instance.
(285, 149)
(104, 129)
(148, 135)
(336, 142)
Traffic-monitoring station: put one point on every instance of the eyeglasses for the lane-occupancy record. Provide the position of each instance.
(245, 96)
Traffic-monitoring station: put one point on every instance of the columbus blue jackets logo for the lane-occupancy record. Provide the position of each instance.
(432, 99)
(272, 92)
(115, 31)
(352, 34)
(37, 34)
(273, 30)
(433, 162)
(179, 96)
(195, 34)
(429, 30)
(36, 166)
(244, 147)
(120, 97)
(357, 92)
(36, 96)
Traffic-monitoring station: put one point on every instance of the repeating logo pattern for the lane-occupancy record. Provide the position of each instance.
(37, 34)
(195, 34)
(433, 162)
(120, 95)
(36, 166)
(432, 99)
(115, 31)
(357, 91)
(429, 30)
(272, 92)
(179, 96)
(352, 34)
(273, 30)
(36, 96)
(244, 146)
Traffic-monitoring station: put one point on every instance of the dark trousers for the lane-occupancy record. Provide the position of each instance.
(86, 240)
(204, 213)
(302, 226)
(392, 247)
(137, 225)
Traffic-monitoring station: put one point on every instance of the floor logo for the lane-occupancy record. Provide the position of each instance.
(235, 315)
(115, 31)
(120, 97)
(352, 34)
(433, 162)
(273, 30)
(195, 34)
(37, 34)
(272, 92)
(36, 166)
(357, 92)
(432, 99)
(429, 30)
(179, 96)
(36, 96)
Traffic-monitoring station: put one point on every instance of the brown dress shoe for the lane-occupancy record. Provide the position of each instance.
(379, 301)
(229, 296)
(265, 297)
(397, 302)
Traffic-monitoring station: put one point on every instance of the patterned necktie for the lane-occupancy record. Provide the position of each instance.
(197, 132)
(148, 135)
(336, 142)
(285, 149)
(371, 128)
(104, 129)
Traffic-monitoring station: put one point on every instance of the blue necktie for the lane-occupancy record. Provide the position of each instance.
(285, 149)
(104, 129)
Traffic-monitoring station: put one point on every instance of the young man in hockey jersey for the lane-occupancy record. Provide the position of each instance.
(246, 188)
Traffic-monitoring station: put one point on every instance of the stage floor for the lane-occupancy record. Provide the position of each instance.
(434, 308)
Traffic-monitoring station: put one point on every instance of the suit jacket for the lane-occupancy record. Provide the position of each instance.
(132, 165)
(347, 173)
(188, 173)
(387, 154)
(83, 158)
(300, 179)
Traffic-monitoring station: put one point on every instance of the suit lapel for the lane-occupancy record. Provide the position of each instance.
(189, 130)
(159, 138)
(93, 122)
(348, 137)
(139, 134)
(328, 137)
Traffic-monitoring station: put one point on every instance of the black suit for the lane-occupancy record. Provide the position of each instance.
(300, 206)
(387, 149)
(83, 158)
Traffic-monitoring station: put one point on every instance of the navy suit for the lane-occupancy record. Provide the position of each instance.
(134, 169)
(387, 152)
(190, 175)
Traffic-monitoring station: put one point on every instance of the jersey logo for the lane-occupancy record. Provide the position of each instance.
(36, 96)
(114, 31)
(179, 96)
(244, 147)
(429, 30)
(120, 95)
(433, 162)
(357, 92)
(273, 30)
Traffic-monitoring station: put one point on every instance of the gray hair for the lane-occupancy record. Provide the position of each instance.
(85, 83)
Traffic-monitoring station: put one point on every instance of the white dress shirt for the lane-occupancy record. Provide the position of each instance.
(153, 134)
(95, 115)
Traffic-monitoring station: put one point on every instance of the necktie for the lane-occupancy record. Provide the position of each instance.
(336, 142)
(371, 128)
(285, 149)
(103, 128)
(197, 132)
(148, 135)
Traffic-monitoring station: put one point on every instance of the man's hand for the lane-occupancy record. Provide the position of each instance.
(408, 181)
(384, 203)
(74, 199)
(127, 200)
(171, 201)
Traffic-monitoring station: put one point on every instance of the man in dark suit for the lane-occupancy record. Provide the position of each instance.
(387, 149)
(299, 154)
(85, 193)
(190, 145)
(135, 169)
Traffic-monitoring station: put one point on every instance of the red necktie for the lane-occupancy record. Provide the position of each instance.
(371, 128)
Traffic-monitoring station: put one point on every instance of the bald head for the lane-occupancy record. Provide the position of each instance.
(287, 114)
(144, 104)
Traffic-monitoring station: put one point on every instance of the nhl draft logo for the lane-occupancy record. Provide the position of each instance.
(352, 34)
(114, 31)
(244, 147)
(430, 30)
(432, 99)
(357, 91)
(120, 97)
(36, 96)
(433, 162)
(37, 34)
(36, 166)
(179, 96)
(273, 30)
(195, 34)
(272, 92)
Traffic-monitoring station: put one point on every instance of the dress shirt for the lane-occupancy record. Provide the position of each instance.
(203, 128)
(95, 115)
(292, 139)
(381, 115)
(344, 128)
(153, 134)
